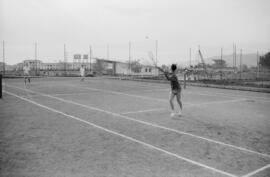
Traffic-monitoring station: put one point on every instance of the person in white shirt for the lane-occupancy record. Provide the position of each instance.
(26, 72)
(82, 72)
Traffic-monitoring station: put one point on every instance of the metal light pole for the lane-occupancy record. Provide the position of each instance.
(108, 54)
(36, 57)
(4, 58)
(129, 57)
(240, 64)
(189, 57)
(221, 55)
(258, 66)
(65, 60)
(156, 48)
(156, 55)
(90, 56)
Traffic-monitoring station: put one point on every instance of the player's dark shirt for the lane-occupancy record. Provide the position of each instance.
(174, 81)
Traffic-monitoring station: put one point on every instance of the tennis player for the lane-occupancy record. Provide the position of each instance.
(26, 73)
(175, 89)
(82, 72)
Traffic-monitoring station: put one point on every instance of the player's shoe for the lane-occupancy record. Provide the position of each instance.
(172, 114)
(180, 113)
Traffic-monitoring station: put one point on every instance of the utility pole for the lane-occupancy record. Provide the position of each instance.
(90, 57)
(4, 58)
(156, 55)
(65, 61)
(258, 66)
(129, 57)
(189, 57)
(108, 54)
(240, 64)
(156, 51)
(221, 55)
(235, 57)
(36, 57)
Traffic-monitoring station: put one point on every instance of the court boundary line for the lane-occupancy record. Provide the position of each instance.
(219, 94)
(163, 100)
(189, 106)
(149, 98)
(141, 111)
(154, 90)
(79, 93)
(232, 95)
(220, 102)
(151, 124)
(261, 99)
(125, 136)
(126, 94)
(257, 171)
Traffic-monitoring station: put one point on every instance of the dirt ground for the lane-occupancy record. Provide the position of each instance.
(37, 141)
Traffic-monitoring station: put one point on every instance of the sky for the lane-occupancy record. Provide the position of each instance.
(110, 25)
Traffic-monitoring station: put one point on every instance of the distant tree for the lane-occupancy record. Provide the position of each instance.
(99, 66)
(165, 67)
(244, 68)
(135, 66)
(265, 60)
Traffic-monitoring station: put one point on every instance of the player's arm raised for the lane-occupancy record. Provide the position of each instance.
(160, 69)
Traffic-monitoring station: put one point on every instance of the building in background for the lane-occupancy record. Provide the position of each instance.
(7, 68)
(33, 64)
(98, 66)
(218, 64)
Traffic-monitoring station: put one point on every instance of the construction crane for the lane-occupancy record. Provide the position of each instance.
(204, 65)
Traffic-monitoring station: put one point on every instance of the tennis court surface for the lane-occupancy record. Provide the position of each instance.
(100, 127)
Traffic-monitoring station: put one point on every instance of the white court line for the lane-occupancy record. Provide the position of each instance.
(147, 110)
(139, 96)
(261, 99)
(126, 137)
(257, 171)
(151, 124)
(163, 100)
(152, 90)
(233, 96)
(188, 104)
(120, 93)
(156, 88)
(61, 94)
(70, 94)
(201, 104)
(207, 93)
(219, 102)
(211, 95)
(188, 92)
